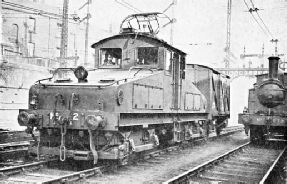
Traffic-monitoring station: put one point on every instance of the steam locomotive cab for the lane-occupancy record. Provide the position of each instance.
(266, 116)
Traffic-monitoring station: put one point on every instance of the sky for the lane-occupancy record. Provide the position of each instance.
(200, 29)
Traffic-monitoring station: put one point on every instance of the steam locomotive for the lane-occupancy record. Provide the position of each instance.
(141, 95)
(265, 117)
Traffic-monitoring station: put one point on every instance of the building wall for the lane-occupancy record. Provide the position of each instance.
(34, 31)
(30, 44)
(1, 60)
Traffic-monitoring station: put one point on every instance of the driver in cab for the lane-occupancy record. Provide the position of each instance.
(109, 60)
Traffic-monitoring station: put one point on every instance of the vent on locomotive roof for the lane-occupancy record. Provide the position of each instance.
(109, 80)
(127, 30)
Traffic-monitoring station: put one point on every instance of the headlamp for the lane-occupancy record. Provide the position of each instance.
(81, 73)
(25, 118)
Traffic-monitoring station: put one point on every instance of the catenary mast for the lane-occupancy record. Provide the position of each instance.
(64, 34)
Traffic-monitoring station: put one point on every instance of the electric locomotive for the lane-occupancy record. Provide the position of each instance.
(139, 96)
(266, 113)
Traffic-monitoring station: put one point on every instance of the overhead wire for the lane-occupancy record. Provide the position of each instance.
(264, 5)
(126, 6)
(272, 38)
(29, 8)
(256, 10)
(132, 6)
(250, 10)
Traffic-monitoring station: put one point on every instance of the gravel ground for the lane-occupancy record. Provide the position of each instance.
(172, 164)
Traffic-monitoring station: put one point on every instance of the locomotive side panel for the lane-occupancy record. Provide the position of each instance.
(192, 97)
(200, 77)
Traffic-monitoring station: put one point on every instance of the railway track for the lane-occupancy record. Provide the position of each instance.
(8, 136)
(40, 172)
(245, 164)
(14, 147)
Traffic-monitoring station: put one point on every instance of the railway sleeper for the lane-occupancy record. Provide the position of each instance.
(261, 152)
(211, 175)
(239, 170)
(153, 161)
(40, 175)
(20, 180)
(256, 161)
(242, 165)
(145, 164)
(6, 174)
(265, 157)
(162, 157)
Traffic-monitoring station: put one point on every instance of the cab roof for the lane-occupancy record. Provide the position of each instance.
(141, 36)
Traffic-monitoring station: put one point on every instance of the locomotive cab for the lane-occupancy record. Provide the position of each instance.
(145, 57)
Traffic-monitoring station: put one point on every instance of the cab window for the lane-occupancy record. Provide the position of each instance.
(110, 56)
(168, 63)
(147, 56)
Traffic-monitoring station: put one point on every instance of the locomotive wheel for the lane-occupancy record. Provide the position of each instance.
(253, 134)
(218, 131)
(219, 125)
(257, 135)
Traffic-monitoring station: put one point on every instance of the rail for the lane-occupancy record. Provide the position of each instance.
(78, 175)
(245, 163)
(7, 171)
(272, 166)
(194, 171)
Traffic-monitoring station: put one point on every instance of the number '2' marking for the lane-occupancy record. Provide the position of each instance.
(75, 116)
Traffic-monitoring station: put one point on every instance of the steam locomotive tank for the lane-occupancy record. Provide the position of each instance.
(266, 114)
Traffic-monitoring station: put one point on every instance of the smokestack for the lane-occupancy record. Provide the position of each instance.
(273, 67)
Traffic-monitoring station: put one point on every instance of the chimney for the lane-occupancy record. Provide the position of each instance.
(273, 67)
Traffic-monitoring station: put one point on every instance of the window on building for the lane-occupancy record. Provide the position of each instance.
(14, 33)
(31, 49)
(110, 56)
(147, 56)
(31, 25)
